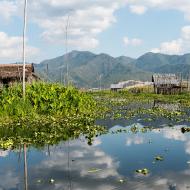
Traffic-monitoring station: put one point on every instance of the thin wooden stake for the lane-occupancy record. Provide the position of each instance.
(24, 49)
(25, 168)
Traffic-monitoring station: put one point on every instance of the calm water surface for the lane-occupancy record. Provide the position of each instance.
(109, 164)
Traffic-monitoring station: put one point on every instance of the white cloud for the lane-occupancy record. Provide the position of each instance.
(178, 5)
(7, 9)
(97, 141)
(11, 47)
(172, 47)
(6, 183)
(186, 32)
(134, 140)
(126, 40)
(178, 46)
(174, 134)
(155, 50)
(187, 147)
(138, 9)
(90, 18)
(4, 153)
(169, 180)
(132, 42)
(85, 158)
(136, 42)
(87, 19)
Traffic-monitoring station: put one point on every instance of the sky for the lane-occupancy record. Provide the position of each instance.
(115, 27)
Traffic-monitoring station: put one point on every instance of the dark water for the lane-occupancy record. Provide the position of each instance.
(109, 164)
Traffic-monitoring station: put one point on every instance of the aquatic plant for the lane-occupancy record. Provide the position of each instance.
(159, 158)
(143, 171)
(44, 98)
(50, 113)
(185, 129)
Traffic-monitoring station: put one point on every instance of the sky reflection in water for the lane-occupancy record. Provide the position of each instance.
(115, 156)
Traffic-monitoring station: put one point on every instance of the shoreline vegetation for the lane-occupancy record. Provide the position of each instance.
(52, 113)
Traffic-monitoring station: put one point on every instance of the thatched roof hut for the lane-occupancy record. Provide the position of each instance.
(10, 73)
(166, 79)
(166, 83)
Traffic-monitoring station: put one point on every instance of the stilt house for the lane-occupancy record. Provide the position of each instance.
(167, 83)
(12, 73)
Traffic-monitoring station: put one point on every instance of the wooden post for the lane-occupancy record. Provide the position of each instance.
(188, 82)
(25, 168)
(60, 76)
(47, 72)
(181, 81)
(24, 51)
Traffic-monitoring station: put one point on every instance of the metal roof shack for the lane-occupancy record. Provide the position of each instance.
(166, 83)
(12, 73)
(116, 87)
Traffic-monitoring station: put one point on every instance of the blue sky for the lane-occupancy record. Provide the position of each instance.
(122, 27)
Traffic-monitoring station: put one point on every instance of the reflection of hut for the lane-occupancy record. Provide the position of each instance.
(167, 106)
(11, 73)
(116, 87)
(166, 83)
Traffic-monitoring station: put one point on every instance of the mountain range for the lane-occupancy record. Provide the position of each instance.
(88, 70)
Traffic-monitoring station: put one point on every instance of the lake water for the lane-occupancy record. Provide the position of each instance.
(109, 164)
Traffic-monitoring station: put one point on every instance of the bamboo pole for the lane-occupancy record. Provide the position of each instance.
(188, 82)
(66, 50)
(66, 46)
(181, 81)
(24, 48)
(47, 72)
(25, 168)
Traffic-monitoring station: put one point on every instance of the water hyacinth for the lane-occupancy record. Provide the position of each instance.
(50, 113)
(44, 98)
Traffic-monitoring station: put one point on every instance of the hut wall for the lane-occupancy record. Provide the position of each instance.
(168, 90)
(32, 78)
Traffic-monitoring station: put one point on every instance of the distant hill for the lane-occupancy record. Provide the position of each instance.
(163, 63)
(90, 70)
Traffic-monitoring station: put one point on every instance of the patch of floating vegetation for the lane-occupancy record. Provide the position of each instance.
(94, 170)
(143, 171)
(49, 114)
(148, 107)
(159, 158)
(52, 113)
(132, 129)
(185, 129)
(47, 132)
